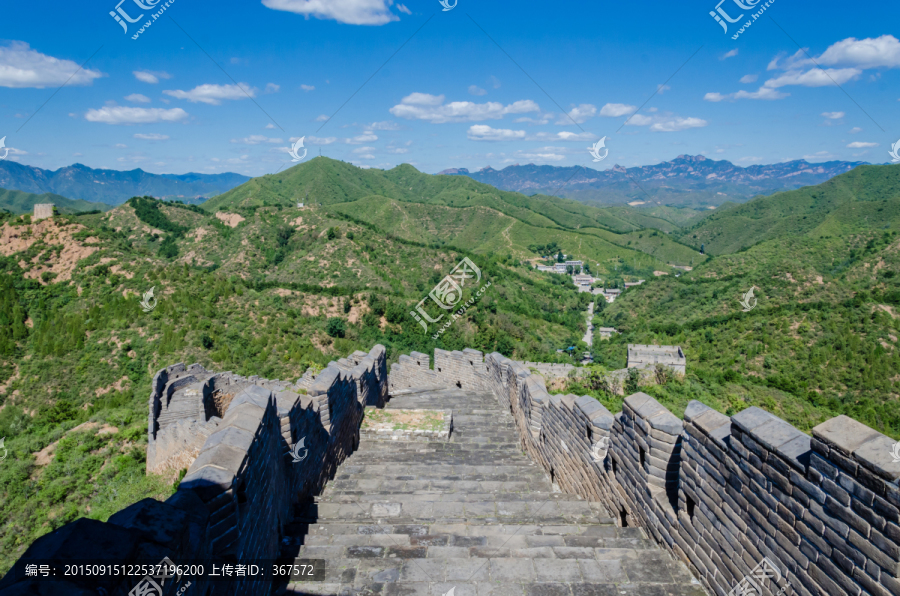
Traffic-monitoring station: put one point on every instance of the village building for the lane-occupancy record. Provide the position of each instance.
(647, 357)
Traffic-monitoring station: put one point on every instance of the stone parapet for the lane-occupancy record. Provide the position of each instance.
(240, 487)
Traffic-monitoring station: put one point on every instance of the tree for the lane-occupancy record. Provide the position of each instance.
(631, 383)
(570, 269)
(560, 258)
(336, 327)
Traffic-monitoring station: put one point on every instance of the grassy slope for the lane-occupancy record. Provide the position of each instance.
(19, 202)
(858, 194)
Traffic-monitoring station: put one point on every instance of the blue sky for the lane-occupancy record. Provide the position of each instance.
(560, 76)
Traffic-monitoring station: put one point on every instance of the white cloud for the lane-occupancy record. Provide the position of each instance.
(615, 110)
(833, 115)
(476, 90)
(402, 8)
(22, 67)
(820, 156)
(423, 106)
(729, 54)
(120, 146)
(366, 137)
(564, 136)
(270, 125)
(257, 140)
(678, 124)
(385, 125)
(308, 87)
(137, 98)
(761, 93)
(123, 115)
(855, 130)
(397, 150)
(747, 79)
(272, 88)
(495, 82)
(662, 89)
(213, 94)
(640, 120)
(152, 137)
(879, 52)
(483, 132)
(146, 76)
(814, 78)
(861, 145)
(543, 119)
(322, 118)
(579, 114)
(351, 12)
(359, 150)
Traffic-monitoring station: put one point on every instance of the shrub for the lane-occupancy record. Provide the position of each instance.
(335, 327)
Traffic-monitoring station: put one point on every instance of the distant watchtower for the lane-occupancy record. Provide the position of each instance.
(43, 211)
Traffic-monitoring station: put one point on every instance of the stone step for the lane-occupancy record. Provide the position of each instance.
(607, 529)
(612, 572)
(438, 497)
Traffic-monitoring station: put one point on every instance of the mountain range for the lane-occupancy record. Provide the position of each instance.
(114, 187)
(686, 181)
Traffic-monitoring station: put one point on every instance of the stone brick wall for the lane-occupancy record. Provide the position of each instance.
(724, 493)
(465, 369)
(239, 489)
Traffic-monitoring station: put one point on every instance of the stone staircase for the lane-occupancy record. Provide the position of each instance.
(473, 515)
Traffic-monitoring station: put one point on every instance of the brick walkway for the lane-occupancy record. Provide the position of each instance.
(474, 515)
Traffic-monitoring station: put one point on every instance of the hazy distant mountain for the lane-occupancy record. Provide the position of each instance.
(691, 181)
(114, 187)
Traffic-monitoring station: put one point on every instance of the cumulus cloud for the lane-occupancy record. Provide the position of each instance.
(22, 67)
(579, 114)
(152, 137)
(751, 78)
(213, 94)
(816, 77)
(761, 93)
(123, 115)
(564, 136)
(833, 115)
(861, 145)
(366, 137)
(855, 130)
(423, 106)
(351, 12)
(616, 110)
(476, 90)
(137, 98)
(308, 87)
(146, 76)
(729, 54)
(483, 132)
(272, 88)
(878, 52)
(385, 125)
(316, 140)
(667, 122)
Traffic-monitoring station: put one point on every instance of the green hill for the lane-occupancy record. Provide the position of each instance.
(866, 197)
(822, 339)
(18, 203)
(462, 212)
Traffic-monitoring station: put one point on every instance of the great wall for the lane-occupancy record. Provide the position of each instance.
(533, 493)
